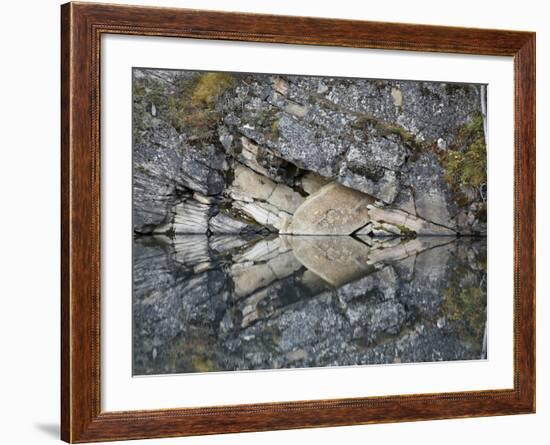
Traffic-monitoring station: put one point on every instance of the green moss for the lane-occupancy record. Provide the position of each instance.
(405, 231)
(146, 91)
(194, 352)
(465, 306)
(266, 120)
(406, 136)
(138, 90)
(269, 337)
(480, 260)
(210, 86)
(465, 163)
(481, 213)
(192, 108)
(265, 117)
(275, 129)
(201, 364)
(385, 128)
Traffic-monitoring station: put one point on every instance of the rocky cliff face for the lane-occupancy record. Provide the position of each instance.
(238, 153)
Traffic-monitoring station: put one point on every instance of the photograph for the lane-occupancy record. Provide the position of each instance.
(275, 222)
(292, 221)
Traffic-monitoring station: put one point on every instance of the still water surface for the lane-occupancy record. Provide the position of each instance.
(226, 303)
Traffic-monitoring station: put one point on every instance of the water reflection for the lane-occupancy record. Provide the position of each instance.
(225, 303)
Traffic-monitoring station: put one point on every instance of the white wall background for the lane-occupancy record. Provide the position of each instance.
(29, 220)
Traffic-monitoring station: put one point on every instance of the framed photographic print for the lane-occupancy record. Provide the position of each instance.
(275, 222)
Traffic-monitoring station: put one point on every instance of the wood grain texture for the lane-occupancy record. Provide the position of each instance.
(81, 28)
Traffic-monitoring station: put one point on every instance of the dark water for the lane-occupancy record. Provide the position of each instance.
(225, 303)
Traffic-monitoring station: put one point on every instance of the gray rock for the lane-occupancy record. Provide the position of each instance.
(387, 152)
(284, 198)
(298, 140)
(224, 223)
(190, 250)
(248, 280)
(201, 169)
(378, 182)
(249, 156)
(208, 200)
(284, 264)
(332, 210)
(367, 229)
(337, 260)
(280, 85)
(263, 213)
(406, 249)
(386, 229)
(311, 182)
(295, 109)
(249, 184)
(252, 183)
(261, 251)
(405, 201)
(383, 231)
(403, 221)
(191, 217)
(432, 199)
(156, 175)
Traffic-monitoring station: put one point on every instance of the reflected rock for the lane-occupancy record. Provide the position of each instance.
(397, 249)
(228, 303)
(264, 263)
(336, 259)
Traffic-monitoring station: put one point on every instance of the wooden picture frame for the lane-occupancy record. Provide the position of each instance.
(82, 25)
